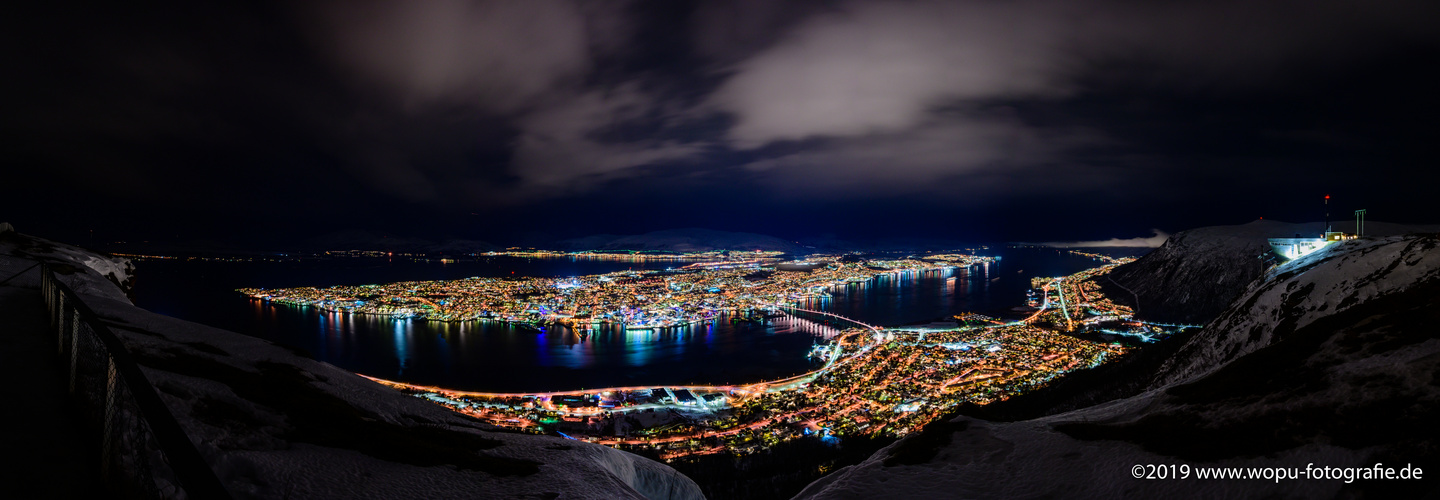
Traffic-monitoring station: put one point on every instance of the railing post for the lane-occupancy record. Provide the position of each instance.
(57, 317)
(109, 432)
(132, 415)
(74, 336)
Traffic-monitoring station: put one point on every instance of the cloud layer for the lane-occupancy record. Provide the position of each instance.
(875, 108)
(1154, 241)
(854, 97)
(501, 56)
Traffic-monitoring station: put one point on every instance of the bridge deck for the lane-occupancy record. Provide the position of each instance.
(46, 455)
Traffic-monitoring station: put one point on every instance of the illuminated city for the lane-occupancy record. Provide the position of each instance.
(638, 300)
(875, 381)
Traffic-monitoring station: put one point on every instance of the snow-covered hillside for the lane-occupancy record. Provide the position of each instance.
(1333, 360)
(274, 424)
(1300, 292)
(1197, 274)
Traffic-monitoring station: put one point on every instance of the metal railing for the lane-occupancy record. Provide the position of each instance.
(144, 452)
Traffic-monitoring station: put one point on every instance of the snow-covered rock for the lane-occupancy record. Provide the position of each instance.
(275, 424)
(1302, 291)
(1332, 360)
(86, 272)
(1198, 273)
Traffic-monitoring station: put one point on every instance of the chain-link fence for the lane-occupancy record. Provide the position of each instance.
(144, 452)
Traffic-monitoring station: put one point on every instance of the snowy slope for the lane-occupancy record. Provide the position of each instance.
(1332, 361)
(1301, 291)
(274, 424)
(1196, 274)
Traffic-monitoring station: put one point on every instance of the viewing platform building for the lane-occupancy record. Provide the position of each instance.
(1294, 248)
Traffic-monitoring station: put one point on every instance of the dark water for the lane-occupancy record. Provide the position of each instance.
(491, 356)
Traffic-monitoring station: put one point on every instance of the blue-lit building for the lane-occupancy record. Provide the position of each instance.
(1294, 248)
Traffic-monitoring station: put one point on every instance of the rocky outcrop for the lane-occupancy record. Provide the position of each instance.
(1318, 286)
(275, 424)
(1197, 274)
(18, 251)
(1331, 360)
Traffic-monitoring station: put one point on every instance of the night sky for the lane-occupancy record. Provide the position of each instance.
(252, 123)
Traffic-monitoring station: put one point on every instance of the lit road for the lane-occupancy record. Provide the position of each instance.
(1044, 305)
(1060, 287)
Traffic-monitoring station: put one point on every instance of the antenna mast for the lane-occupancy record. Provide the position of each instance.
(1326, 229)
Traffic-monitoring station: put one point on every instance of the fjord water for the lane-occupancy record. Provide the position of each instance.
(496, 357)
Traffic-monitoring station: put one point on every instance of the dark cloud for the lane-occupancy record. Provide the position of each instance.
(883, 80)
(726, 31)
(373, 113)
(501, 56)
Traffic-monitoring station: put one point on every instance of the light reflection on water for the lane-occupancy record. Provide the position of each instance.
(501, 357)
(494, 356)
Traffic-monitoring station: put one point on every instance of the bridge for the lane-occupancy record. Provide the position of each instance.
(787, 383)
(873, 328)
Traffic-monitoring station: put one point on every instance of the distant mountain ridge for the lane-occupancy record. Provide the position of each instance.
(369, 241)
(682, 240)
